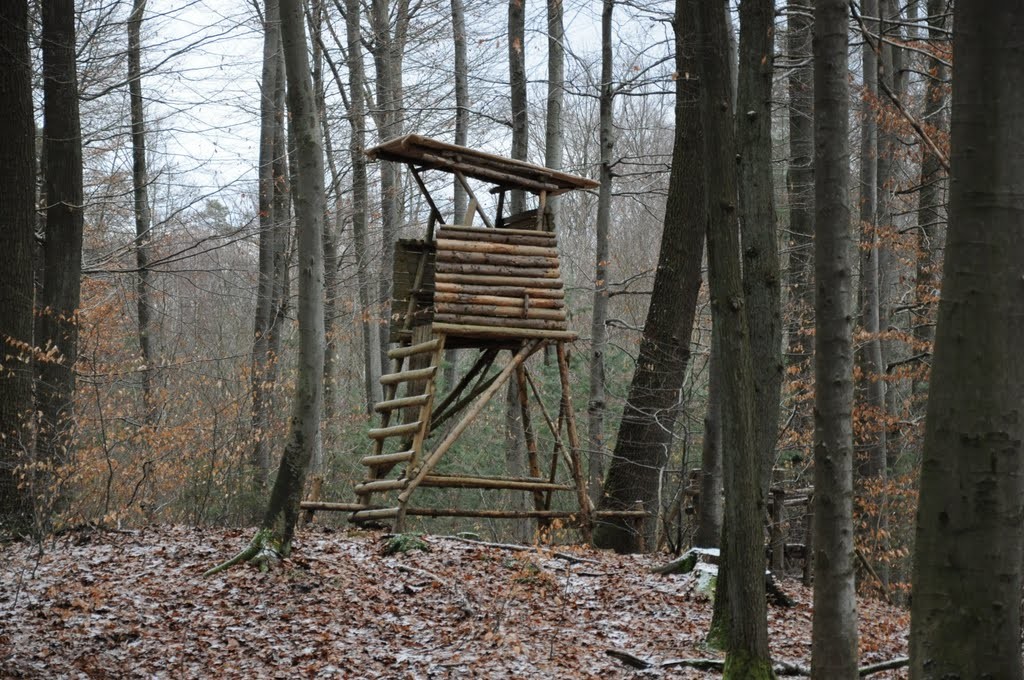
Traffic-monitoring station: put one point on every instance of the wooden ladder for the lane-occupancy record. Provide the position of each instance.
(421, 386)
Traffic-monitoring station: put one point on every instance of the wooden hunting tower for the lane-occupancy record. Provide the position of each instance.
(496, 288)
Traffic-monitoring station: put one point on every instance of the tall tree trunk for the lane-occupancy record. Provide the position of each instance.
(834, 630)
(516, 442)
(871, 460)
(17, 243)
(743, 538)
(648, 420)
(710, 515)
(143, 218)
(757, 218)
(461, 138)
(517, 84)
(304, 424)
(388, 45)
(930, 216)
(360, 206)
(261, 358)
(965, 614)
(800, 201)
(553, 130)
(57, 305)
(598, 330)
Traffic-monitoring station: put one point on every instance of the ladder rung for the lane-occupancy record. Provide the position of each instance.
(394, 430)
(467, 482)
(415, 374)
(380, 485)
(410, 350)
(393, 404)
(387, 458)
(378, 513)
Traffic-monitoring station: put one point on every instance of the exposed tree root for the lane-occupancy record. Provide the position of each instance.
(259, 552)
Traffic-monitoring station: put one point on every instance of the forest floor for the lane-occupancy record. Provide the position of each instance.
(135, 604)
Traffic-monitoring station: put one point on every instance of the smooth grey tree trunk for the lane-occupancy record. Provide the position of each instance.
(17, 245)
(834, 629)
(931, 198)
(965, 611)
(800, 202)
(372, 365)
(652, 403)
(261, 356)
(451, 356)
(57, 303)
(596, 404)
(143, 218)
(743, 563)
(389, 22)
(516, 445)
(761, 274)
(871, 462)
(304, 424)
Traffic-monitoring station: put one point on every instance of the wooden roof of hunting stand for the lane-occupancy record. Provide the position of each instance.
(495, 289)
(505, 172)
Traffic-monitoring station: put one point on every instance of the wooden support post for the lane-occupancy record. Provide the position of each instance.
(315, 489)
(542, 203)
(528, 434)
(778, 539)
(430, 461)
(435, 213)
(809, 542)
(575, 454)
(499, 219)
(472, 198)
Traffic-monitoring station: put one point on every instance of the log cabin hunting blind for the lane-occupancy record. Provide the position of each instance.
(494, 287)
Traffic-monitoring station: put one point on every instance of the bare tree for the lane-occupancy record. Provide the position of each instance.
(278, 525)
(645, 433)
(17, 213)
(965, 615)
(599, 315)
(834, 630)
(58, 300)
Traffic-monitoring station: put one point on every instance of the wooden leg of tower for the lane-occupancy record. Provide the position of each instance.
(429, 462)
(533, 459)
(574, 445)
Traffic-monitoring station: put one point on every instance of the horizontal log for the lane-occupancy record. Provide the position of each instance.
(480, 280)
(466, 482)
(380, 485)
(335, 507)
(515, 514)
(394, 430)
(499, 322)
(497, 301)
(497, 270)
(496, 333)
(404, 376)
(489, 236)
(410, 350)
(497, 248)
(403, 402)
(494, 310)
(502, 231)
(387, 458)
(376, 513)
(459, 257)
(506, 291)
